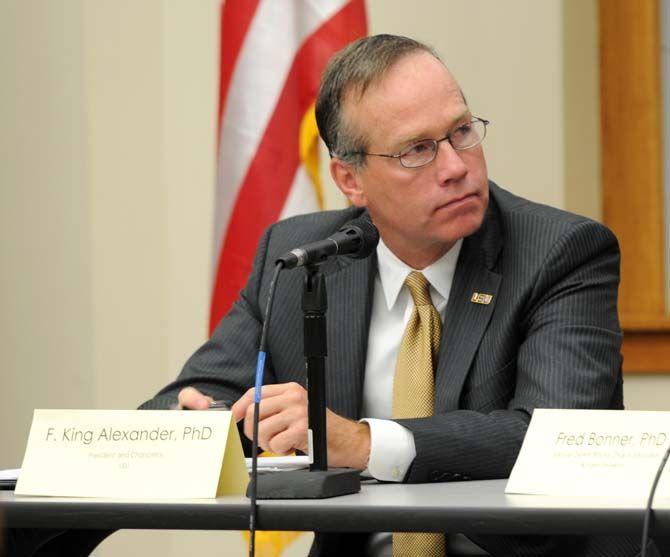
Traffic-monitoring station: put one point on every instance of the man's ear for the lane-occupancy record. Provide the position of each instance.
(348, 180)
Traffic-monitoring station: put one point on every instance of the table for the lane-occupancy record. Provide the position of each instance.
(467, 507)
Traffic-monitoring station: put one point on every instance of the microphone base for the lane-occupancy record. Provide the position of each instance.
(306, 484)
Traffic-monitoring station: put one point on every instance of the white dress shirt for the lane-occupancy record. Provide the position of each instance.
(392, 448)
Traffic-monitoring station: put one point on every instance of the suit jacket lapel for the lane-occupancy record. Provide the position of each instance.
(466, 321)
(349, 286)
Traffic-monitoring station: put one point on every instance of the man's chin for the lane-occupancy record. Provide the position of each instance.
(466, 226)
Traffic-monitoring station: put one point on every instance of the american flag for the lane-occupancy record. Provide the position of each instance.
(272, 55)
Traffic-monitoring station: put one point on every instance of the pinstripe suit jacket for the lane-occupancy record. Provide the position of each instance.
(550, 338)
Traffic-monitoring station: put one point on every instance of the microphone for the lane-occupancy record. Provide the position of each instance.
(357, 239)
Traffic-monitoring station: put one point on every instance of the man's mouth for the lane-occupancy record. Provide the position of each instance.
(461, 200)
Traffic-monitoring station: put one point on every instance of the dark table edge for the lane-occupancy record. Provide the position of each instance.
(341, 518)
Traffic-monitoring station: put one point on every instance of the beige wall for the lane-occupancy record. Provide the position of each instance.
(47, 325)
(107, 141)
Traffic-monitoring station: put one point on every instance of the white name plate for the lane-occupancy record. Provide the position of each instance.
(592, 453)
(137, 454)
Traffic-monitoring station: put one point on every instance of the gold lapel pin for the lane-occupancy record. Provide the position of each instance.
(481, 298)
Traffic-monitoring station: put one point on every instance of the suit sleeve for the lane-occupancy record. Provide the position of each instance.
(568, 357)
(224, 366)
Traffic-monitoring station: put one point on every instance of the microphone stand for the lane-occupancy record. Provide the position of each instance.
(314, 306)
(318, 482)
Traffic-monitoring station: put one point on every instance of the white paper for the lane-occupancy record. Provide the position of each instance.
(10, 474)
(277, 463)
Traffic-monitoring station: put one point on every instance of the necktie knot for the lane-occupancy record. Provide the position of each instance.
(419, 288)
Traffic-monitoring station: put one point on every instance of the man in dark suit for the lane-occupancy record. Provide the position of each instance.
(527, 295)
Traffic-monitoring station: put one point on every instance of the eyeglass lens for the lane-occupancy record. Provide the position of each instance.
(464, 137)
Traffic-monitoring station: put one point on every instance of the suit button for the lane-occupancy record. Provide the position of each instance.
(435, 476)
(457, 476)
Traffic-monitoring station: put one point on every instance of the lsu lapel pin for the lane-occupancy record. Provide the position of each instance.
(481, 298)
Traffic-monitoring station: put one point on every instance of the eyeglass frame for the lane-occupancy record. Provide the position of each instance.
(435, 143)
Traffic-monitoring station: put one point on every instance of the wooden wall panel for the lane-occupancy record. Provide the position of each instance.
(632, 174)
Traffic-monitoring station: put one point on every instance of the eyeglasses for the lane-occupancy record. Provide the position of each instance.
(465, 136)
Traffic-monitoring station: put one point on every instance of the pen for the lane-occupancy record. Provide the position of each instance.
(214, 405)
(219, 405)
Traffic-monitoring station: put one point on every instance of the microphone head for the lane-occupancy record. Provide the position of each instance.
(368, 236)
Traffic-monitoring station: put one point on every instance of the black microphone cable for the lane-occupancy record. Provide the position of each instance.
(260, 368)
(647, 512)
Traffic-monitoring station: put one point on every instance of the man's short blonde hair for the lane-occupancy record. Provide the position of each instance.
(349, 73)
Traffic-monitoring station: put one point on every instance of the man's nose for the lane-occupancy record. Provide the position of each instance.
(450, 164)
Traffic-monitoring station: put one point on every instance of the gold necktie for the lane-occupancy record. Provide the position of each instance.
(414, 393)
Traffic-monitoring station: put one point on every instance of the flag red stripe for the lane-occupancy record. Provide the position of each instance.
(272, 171)
(236, 18)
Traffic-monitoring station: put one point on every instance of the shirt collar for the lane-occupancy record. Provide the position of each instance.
(393, 272)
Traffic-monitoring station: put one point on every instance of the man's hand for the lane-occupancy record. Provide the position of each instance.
(283, 426)
(192, 399)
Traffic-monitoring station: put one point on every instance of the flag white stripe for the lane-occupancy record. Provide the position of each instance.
(301, 197)
(271, 43)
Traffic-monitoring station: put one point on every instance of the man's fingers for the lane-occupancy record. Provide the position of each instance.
(274, 420)
(239, 408)
(192, 399)
(287, 441)
(281, 433)
(289, 401)
(267, 429)
(282, 414)
(242, 406)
